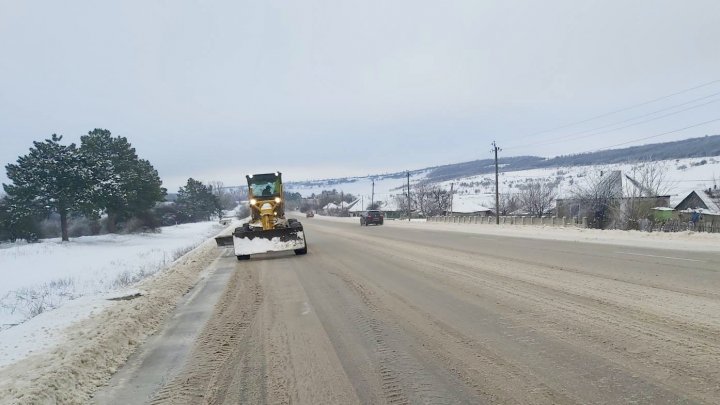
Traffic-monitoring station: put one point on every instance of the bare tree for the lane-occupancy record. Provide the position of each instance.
(509, 203)
(598, 194)
(652, 179)
(644, 185)
(426, 199)
(537, 197)
(226, 199)
(423, 200)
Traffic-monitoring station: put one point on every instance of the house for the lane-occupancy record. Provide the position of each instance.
(621, 199)
(355, 208)
(474, 212)
(469, 205)
(707, 202)
(331, 208)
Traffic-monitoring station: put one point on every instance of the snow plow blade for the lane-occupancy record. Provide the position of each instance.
(247, 243)
(224, 241)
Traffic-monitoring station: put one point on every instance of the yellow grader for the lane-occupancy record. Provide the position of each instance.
(268, 230)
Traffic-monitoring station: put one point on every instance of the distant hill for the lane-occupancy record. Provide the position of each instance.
(687, 148)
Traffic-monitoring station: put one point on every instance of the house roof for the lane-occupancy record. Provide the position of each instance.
(711, 204)
(469, 203)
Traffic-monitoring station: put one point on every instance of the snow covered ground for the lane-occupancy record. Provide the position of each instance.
(62, 356)
(476, 192)
(50, 285)
(682, 177)
(40, 277)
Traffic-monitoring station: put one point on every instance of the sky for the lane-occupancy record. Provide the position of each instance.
(215, 90)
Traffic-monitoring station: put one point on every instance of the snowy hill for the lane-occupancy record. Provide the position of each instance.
(474, 182)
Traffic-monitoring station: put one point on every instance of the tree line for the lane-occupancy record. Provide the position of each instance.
(102, 182)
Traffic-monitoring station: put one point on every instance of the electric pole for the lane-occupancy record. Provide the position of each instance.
(497, 185)
(372, 199)
(451, 197)
(408, 177)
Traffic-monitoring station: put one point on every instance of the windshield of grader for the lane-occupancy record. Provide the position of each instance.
(265, 186)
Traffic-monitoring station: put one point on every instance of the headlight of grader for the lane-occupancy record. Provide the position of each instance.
(277, 200)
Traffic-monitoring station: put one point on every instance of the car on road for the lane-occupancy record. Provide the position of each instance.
(309, 214)
(374, 217)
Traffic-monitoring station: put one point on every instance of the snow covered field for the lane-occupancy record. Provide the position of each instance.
(682, 177)
(38, 277)
(63, 355)
(476, 192)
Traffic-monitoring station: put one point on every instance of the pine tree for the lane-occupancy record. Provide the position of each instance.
(196, 202)
(18, 221)
(126, 186)
(51, 178)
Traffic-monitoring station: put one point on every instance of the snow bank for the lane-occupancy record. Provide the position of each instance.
(95, 347)
(690, 241)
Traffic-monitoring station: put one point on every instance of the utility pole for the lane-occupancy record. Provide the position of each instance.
(497, 185)
(451, 197)
(342, 200)
(408, 177)
(372, 199)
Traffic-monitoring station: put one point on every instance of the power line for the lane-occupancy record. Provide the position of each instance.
(590, 132)
(622, 109)
(654, 136)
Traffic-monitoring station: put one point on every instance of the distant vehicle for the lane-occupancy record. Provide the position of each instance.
(309, 214)
(371, 217)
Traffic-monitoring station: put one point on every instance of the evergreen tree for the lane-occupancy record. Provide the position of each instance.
(125, 185)
(196, 202)
(52, 177)
(18, 221)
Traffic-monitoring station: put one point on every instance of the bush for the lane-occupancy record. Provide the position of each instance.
(83, 227)
(243, 211)
(135, 225)
(50, 228)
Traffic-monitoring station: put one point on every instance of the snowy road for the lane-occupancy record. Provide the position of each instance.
(420, 315)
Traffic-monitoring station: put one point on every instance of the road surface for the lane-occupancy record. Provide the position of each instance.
(401, 315)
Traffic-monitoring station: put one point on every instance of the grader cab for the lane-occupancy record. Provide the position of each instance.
(268, 230)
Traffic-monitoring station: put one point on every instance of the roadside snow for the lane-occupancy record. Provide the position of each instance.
(50, 285)
(40, 277)
(689, 241)
(71, 361)
(46, 330)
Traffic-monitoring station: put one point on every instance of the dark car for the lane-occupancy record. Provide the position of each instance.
(371, 217)
(309, 214)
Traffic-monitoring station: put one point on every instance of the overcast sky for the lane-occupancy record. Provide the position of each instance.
(217, 89)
